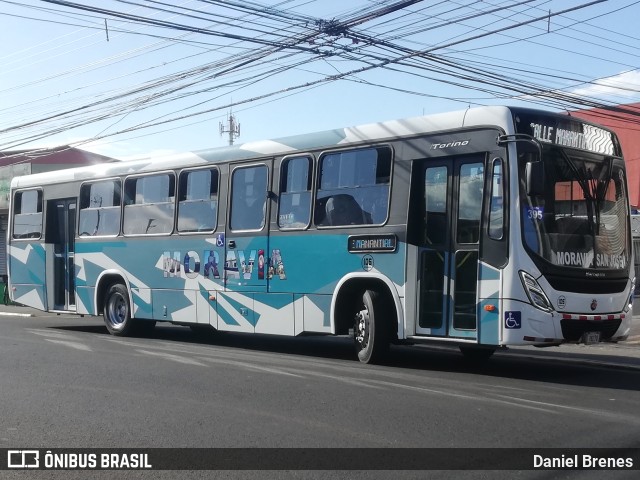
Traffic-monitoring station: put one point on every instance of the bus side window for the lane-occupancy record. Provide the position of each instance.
(27, 214)
(149, 204)
(198, 200)
(100, 208)
(353, 187)
(496, 207)
(248, 197)
(342, 209)
(294, 209)
(470, 195)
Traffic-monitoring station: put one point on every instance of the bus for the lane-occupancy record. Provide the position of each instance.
(484, 228)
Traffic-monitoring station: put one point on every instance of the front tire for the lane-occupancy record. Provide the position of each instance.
(371, 332)
(117, 311)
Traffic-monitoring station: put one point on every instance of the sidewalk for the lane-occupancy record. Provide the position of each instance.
(618, 355)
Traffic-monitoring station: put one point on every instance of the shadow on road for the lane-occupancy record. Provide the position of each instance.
(556, 367)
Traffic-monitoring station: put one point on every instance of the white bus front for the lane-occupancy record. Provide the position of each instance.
(573, 221)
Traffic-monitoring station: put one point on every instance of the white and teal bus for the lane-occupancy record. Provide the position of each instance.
(483, 228)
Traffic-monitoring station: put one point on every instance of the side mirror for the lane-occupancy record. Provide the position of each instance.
(534, 174)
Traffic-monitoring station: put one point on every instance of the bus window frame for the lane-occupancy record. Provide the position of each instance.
(179, 191)
(12, 217)
(313, 172)
(171, 173)
(121, 206)
(503, 189)
(317, 179)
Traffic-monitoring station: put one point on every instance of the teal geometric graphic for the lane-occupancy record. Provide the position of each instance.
(226, 316)
(252, 318)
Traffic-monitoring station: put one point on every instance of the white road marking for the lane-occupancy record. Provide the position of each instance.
(67, 343)
(51, 333)
(173, 358)
(249, 366)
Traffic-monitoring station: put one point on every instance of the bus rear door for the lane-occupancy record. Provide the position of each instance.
(246, 245)
(60, 233)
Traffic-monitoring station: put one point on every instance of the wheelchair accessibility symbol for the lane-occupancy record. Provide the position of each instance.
(513, 319)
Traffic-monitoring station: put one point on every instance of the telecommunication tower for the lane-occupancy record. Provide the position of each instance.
(232, 128)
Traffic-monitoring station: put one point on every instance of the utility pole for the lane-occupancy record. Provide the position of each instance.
(232, 128)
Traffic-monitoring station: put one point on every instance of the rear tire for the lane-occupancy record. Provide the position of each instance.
(371, 329)
(117, 311)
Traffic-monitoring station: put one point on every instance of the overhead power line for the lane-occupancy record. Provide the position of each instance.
(299, 41)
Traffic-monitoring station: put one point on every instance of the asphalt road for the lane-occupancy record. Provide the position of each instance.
(64, 382)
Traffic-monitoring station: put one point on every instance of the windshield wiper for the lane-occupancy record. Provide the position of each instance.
(594, 189)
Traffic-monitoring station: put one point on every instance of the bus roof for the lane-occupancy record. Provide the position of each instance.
(500, 116)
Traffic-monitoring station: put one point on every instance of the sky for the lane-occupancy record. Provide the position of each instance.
(139, 78)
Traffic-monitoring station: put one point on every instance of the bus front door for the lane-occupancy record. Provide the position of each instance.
(451, 193)
(60, 234)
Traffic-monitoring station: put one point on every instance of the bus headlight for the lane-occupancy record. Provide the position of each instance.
(535, 293)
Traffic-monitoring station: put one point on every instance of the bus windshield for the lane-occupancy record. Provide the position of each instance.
(580, 221)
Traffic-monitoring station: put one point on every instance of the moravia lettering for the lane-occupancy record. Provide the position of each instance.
(238, 264)
(576, 259)
(586, 259)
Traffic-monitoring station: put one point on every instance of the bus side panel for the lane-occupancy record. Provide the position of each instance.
(84, 300)
(206, 308)
(488, 309)
(27, 271)
(299, 309)
(236, 312)
(313, 264)
(92, 259)
(174, 305)
(256, 312)
(317, 313)
(274, 313)
(142, 306)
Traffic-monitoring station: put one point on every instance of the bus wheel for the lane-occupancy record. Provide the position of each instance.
(476, 354)
(117, 312)
(370, 332)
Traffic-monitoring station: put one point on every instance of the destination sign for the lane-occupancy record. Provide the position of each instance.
(554, 130)
(372, 243)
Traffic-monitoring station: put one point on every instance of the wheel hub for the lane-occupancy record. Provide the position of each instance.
(117, 311)
(362, 320)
